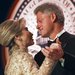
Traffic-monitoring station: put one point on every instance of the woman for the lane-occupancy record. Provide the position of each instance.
(16, 36)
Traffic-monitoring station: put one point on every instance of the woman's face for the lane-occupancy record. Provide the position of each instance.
(26, 37)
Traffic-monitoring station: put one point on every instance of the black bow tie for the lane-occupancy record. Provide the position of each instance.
(50, 42)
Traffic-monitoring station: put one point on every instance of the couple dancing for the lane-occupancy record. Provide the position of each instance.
(16, 36)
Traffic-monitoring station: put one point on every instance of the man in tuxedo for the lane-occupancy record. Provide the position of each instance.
(50, 23)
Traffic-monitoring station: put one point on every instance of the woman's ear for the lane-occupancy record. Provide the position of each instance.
(17, 37)
(18, 40)
(53, 17)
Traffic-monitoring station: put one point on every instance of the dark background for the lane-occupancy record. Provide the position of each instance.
(5, 6)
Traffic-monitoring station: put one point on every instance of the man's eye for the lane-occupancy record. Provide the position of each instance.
(39, 21)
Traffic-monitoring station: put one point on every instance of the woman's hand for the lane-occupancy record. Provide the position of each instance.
(54, 52)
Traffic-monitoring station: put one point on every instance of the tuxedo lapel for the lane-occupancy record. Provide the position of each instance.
(64, 38)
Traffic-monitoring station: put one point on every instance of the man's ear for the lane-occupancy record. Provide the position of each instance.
(53, 17)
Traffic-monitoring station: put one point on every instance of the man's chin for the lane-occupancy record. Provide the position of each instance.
(44, 36)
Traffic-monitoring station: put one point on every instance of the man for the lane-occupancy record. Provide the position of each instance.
(50, 23)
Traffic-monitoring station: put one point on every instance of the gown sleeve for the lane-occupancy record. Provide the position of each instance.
(30, 67)
(22, 63)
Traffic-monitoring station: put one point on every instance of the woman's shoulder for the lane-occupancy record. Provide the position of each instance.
(21, 54)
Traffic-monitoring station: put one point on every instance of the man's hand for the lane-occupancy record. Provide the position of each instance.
(54, 52)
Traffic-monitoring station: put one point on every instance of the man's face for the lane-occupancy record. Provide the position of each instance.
(44, 24)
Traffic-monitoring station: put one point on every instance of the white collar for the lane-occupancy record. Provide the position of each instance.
(58, 35)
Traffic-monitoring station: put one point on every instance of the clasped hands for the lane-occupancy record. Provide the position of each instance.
(54, 51)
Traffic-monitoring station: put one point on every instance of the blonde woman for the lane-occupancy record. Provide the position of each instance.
(16, 36)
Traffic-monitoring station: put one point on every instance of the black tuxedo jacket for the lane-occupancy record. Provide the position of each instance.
(68, 45)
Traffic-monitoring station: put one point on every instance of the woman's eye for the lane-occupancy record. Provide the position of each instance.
(26, 28)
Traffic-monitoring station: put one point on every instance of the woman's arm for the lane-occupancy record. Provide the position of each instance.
(5, 55)
(30, 67)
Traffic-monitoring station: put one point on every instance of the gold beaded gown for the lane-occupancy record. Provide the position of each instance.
(22, 63)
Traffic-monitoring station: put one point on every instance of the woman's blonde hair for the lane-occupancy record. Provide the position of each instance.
(9, 29)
